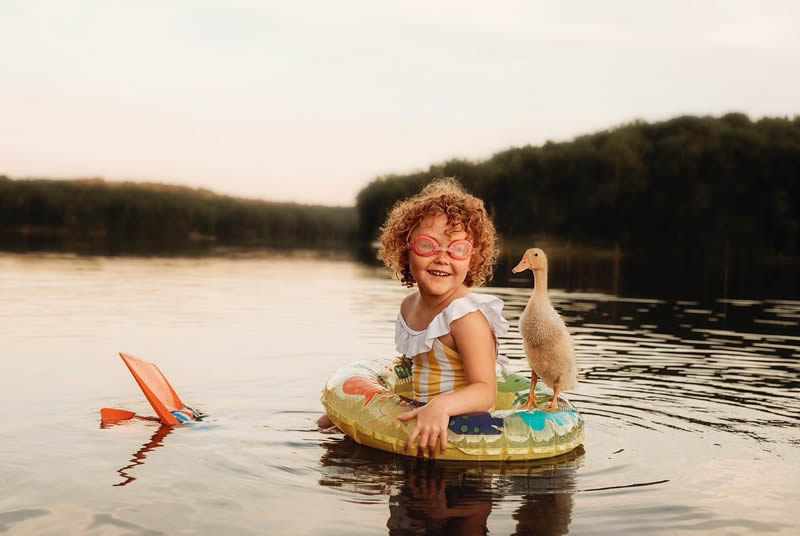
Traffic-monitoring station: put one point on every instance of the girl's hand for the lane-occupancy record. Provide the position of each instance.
(432, 421)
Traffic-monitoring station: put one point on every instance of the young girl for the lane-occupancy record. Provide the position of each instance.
(442, 241)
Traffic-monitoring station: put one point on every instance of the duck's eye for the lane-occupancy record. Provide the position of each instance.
(535, 254)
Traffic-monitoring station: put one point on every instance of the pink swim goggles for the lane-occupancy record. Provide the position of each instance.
(426, 246)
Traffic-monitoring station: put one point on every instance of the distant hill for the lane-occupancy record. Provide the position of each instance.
(689, 182)
(97, 211)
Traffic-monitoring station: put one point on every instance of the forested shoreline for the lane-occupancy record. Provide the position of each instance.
(133, 215)
(687, 183)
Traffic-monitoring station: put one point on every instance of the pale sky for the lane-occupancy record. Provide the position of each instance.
(309, 101)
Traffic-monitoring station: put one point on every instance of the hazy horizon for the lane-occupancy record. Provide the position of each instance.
(309, 103)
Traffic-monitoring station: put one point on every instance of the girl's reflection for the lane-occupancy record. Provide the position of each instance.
(431, 501)
(548, 513)
(453, 497)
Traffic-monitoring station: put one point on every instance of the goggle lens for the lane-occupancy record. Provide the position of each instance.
(461, 250)
(425, 246)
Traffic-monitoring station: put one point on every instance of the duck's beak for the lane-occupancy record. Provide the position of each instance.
(522, 266)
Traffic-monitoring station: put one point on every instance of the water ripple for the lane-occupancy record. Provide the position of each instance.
(653, 368)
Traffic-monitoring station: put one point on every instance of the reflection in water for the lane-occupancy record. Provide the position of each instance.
(544, 514)
(156, 441)
(431, 501)
(662, 273)
(454, 497)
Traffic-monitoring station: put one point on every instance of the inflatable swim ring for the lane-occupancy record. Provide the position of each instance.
(365, 398)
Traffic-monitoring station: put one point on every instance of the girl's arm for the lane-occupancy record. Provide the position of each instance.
(476, 345)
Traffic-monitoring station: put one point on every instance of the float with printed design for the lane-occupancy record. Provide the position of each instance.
(365, 399)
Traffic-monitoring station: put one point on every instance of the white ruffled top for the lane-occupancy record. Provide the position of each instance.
(410, 342)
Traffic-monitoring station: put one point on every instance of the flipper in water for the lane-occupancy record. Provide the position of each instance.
(159, 393)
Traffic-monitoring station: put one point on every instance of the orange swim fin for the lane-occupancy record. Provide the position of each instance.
(112, 414)
(158, 391)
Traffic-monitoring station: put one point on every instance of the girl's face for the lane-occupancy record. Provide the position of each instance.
(439, 274)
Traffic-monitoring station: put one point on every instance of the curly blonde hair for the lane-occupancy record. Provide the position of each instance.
(464, 212)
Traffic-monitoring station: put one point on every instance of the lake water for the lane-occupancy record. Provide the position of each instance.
(691, 408)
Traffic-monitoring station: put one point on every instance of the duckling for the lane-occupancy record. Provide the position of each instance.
(547, 343)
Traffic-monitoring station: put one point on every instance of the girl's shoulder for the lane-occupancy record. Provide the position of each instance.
(407, 305)
(411, 342)
(490, 306)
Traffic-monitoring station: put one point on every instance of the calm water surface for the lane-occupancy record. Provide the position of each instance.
(692, 409)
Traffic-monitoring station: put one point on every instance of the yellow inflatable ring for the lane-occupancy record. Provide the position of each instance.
(365, 398)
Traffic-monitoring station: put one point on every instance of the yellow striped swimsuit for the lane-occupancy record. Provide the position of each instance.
(438, 369)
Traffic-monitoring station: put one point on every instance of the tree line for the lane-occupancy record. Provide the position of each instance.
(688, 182)
(143, 213)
